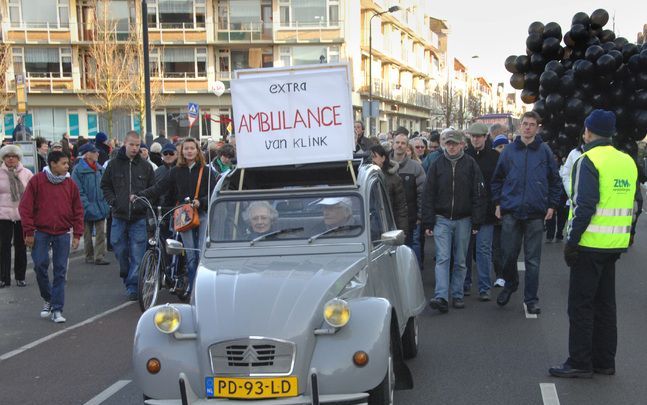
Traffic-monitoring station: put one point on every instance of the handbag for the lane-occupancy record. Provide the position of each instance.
(186, 216)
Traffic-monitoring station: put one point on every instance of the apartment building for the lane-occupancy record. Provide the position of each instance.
(197, 42)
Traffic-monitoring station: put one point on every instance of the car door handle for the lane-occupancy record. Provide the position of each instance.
(392, 252)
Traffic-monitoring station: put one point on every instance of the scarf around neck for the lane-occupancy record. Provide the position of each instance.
(15, 185)
(54, 179)
(455, 158)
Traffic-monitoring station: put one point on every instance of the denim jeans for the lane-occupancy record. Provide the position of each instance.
(531, 231)
(482, 243)
(194, 239)
(450, 234)
(53, 293)
(416, 243)
(128, 239)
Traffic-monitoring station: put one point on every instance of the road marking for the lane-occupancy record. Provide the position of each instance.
(521, 266)
(108, 392)
(35, 343)
(549, 394)
(528, 316)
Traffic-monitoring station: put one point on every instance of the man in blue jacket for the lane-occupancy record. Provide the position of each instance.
(87, 176)
(526, 191)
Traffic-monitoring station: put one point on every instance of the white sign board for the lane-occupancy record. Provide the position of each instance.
(292, 115)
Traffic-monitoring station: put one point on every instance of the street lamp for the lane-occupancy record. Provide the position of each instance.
(391, 9)
(147, 74)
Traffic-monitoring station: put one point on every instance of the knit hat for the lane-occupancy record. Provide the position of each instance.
(500, 140)
(87, 147)
(156, 147)
(169, 147)
(10, 150)
(144, 146)
(601, 122)
(101, 137)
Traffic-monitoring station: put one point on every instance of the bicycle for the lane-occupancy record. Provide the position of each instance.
(150, 279)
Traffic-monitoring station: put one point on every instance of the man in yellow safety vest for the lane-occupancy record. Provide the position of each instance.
(603, 191)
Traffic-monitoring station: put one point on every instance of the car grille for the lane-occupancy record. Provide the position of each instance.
(252, 356)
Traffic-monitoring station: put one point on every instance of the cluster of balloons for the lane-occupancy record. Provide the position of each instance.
(593, 69)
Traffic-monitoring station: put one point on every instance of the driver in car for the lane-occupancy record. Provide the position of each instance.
(261, 217)
(337, 211)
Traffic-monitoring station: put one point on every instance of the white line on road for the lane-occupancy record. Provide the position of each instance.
(528, 316)
(521, 266)
(35, 343)
(549, 394)
(108, 392)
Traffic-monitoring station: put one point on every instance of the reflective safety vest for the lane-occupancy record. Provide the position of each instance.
(610, 226)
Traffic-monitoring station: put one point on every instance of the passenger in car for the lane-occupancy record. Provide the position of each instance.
(261, 217)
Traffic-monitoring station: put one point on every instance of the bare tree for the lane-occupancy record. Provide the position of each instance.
(107, 67)
(5, 63)
(449, 103)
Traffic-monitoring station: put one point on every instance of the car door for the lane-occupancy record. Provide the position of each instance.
(383, 264)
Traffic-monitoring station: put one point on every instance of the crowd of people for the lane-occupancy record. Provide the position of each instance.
(91, 187)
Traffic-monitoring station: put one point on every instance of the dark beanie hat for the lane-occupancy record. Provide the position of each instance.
(100, 137)
(601, 122)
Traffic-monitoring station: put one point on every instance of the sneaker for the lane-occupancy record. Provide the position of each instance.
(467, 291)
(549, 240)
(484, 296)
(458, 303)
(46, 311)
(101, 262)
(21, 283)
(89, 260)
(440, 304)
(57, 317)
(499, 282)
(132, 296)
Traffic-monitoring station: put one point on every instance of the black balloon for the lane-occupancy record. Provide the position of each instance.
(641, 100)
(599, 18)
(572, 129)
(621, 72)
(587, 109)
(574, 109)
(584, 69)
(550, 48)
(555, 66)
(606, 64)
(596, 32)
(593, 53)
(620, 42)
(510, 64)
(516, 81)
(564, 139)
(568, 40)
(607, 36)
(536, 27)
(641, 81)
(587, 88)
(549, 80)
(624, 117)
(634, 64)
(552, 29)
(522, 63)
(581, 18)
(602, 81)
(537, 62)
(593, 41)
(554, 103)
(640, 120)
(531, 81)
(528, 96)
(628, 51)
(600, 100)
(616, 95)
(643, 60)
(540, 107)
(543, 93)
(608, 46)
(617, 56)
(568, 64)
(579, 33)
(534, 42)
(567, 85)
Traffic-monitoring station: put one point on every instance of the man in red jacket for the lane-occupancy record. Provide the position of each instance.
(50, 206)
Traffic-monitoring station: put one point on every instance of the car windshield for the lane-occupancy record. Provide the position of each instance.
(286, 218)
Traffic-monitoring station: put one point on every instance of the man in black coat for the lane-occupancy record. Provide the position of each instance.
(481, 243)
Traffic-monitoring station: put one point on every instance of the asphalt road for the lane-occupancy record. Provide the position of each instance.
(480, 355)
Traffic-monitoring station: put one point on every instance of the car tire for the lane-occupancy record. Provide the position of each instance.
(383, 393)
(410, 339)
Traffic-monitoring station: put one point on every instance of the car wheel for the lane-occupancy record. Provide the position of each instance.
(383, 393)
(410, 339)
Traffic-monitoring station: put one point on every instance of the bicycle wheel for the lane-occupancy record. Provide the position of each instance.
(149, 279)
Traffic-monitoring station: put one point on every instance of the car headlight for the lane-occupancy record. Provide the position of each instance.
(152, 242)
(336, 312)
(167, 319)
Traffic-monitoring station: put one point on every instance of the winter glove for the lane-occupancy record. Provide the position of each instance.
(571, 254)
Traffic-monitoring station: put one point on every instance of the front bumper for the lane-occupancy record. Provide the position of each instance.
(188, 397)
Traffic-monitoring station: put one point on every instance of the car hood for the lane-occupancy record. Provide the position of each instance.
(279, 297)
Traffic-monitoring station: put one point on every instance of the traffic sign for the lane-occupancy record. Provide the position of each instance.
(194, 109)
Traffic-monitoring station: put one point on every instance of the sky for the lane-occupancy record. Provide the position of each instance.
(496, 29)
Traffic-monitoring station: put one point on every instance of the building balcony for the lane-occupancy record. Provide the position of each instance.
(396, 93)
(51, 82)
(182, 83)
(179, 33)
(39, 33)
(322, 31)
(256, 31)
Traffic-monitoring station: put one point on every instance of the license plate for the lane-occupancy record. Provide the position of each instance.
(251, 388)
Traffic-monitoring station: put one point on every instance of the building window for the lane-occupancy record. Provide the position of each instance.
(118, 12)
(308, 55)
(50, 123)
(73, 123)
(39, 14)
(236, 59)
(305, 13)
(46, 62)
(177, 14)
(181, 62)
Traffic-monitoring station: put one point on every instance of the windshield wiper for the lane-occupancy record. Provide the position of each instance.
(333, 230)
(275, 233)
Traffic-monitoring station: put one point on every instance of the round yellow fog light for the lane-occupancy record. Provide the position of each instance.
(336, 312)
(153, 366)
(360, 358)
(167, 319)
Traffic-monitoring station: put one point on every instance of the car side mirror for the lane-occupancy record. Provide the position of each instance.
(393, 238)
(174, 247)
